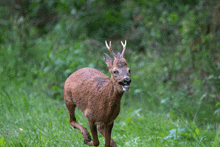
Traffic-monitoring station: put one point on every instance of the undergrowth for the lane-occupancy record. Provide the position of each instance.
(152, 114)
(172, 51)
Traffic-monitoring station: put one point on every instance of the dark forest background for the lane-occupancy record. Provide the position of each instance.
(173, 50)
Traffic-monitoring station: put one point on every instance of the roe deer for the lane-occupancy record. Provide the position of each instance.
(98, 96)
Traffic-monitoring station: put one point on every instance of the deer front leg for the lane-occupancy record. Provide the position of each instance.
(105, 130)
(93, 129)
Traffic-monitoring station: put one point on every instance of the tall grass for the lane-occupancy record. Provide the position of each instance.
(152, 113)
(30, 118)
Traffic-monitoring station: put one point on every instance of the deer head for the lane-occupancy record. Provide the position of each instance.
(120, 72)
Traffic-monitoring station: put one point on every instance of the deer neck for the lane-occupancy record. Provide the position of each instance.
(116, 90)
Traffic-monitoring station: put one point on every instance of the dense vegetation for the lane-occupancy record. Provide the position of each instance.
(173, 51)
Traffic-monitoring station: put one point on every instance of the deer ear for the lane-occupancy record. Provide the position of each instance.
(108, 59)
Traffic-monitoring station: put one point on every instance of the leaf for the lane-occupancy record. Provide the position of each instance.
(217, 104)
(26, 103)
(174, 115)
(113, 16)
(187, 135)
(128, 120)
(2, 141)
(176, 134)
(197, 131)
(217, 111)
(173, 17)
(187, 111)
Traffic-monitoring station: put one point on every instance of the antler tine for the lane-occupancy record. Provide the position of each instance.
(110, 48)
(124, 48)
(107, 45)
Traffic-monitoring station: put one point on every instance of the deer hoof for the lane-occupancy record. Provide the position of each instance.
(87, 140)
(90, 143)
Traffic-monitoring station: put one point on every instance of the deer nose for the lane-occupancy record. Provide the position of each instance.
(127, 80)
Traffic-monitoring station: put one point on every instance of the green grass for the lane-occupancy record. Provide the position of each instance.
(33, 113)
(175, 90)
(44, 122)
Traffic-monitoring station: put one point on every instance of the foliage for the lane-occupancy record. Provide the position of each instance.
(173, 52)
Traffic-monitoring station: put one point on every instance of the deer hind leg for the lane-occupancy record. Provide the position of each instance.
(105, 130)
(93, 128)
(75, 124)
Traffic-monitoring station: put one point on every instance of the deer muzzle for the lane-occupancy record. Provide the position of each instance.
(125, 83)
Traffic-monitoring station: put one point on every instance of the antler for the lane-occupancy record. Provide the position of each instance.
(124, 48)
(110, 49)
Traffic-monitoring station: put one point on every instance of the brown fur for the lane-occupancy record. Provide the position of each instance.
(98, 97)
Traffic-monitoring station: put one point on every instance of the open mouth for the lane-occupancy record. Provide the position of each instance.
(125, 85)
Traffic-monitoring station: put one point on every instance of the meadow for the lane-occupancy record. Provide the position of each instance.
(33, 112)
(172, 51)
(30, 118)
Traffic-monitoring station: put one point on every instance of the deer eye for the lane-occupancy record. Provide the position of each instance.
(129, 71)
(116, 72)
